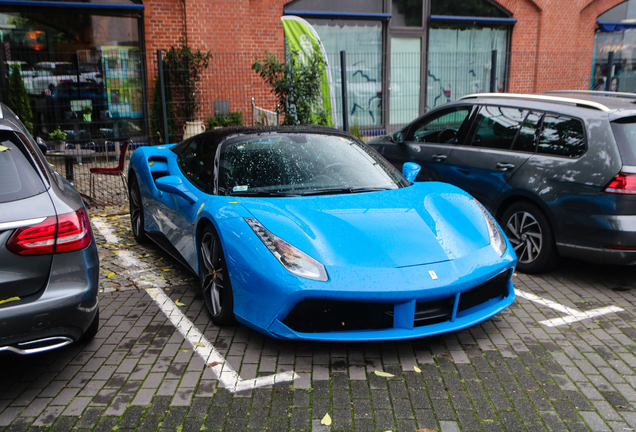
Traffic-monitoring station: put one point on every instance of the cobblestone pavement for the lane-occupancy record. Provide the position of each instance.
(513, 372)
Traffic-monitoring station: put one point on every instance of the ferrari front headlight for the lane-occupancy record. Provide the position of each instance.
(497, 239)
(292, 258)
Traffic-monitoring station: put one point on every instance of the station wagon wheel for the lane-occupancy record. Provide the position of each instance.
(530, 234)
(215, 281)
(136, 210)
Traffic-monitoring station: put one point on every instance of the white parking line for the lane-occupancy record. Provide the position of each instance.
(574, 315)
(221, 368)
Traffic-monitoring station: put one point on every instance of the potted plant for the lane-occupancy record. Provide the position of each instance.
(185, 67)
(58, 136)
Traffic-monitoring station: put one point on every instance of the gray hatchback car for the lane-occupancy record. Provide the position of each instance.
(49, 267)
(558, 170)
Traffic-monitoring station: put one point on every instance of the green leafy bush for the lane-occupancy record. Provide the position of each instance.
(295, 84)
(185, 67)
(233, 118)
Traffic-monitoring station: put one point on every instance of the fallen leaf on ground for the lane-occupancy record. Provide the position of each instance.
(326, 420)
(3, 148)
(167, 289)
(199, 344)
(164, 269)
(111, 274)
(426, 430)
(211, 365)
(178, 303)
(185, 350)
(416, 369)
(383, 374)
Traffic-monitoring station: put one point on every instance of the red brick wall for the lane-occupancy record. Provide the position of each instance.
(553, 42)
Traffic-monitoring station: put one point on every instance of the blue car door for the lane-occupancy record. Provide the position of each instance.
(429, 142)
(500, 141)
(195, 167)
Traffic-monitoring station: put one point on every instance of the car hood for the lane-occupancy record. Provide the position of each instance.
(421, 224)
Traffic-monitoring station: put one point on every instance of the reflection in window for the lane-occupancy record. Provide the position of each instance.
(526, 138)
(562, 136)
(442, 128)
(476, 8)
(407, 13)
(82, 72)
(362, 41)
(497, 127)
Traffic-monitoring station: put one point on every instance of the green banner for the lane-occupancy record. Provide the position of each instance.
(301, 37)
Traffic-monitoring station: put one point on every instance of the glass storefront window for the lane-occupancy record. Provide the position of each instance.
(407, 13)
(404, 89)
(83, 72)
(475, 8)
(614, 67)
(459, 61)
(362, 41)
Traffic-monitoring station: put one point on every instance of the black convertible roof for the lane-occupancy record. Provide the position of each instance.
(218, 135)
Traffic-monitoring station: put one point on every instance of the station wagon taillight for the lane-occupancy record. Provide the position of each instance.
(64, 233)
(623, 183)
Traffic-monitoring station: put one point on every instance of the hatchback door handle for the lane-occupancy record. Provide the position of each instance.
(504, 166)
(439, 157)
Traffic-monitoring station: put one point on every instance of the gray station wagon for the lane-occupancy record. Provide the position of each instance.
(558, 170)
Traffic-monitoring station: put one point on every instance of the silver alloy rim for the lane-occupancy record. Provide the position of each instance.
(524, 233)
(213, 273)
(135, 210)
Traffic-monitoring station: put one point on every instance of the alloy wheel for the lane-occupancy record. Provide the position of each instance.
(213, 273)
(525, 235)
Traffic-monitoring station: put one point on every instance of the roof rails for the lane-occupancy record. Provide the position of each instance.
(578, 102)
(595, 93)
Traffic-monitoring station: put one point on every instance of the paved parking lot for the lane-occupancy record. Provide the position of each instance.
(561, 358)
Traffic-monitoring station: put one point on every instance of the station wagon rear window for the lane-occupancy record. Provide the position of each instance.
(625, 134)
(18, 178)
(562, 136)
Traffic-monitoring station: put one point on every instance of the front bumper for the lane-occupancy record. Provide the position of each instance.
(265, 297)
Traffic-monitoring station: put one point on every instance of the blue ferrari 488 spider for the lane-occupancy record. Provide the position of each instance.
(307, 233)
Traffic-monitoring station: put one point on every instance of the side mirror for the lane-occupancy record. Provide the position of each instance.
(174, 185)
(397, 137)
(410, 170)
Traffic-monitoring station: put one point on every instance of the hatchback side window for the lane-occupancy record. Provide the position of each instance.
(526, 138)
(497, 127)
(562, 136)
(441, 127)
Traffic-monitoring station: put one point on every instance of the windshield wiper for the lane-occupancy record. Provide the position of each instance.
(335, 191)
(258, 193)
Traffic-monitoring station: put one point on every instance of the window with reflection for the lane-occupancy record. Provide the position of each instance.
(562, 136)
(440, 128)
(83, 72)
(496, 127)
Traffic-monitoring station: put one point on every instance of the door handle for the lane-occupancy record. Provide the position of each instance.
(504, 166)
(438, 158)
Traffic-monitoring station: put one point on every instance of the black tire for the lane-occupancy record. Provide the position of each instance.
(136, 207)
(91, 331)
(531, 236)
(214, 278)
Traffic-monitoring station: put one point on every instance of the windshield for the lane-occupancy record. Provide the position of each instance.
(302, 164)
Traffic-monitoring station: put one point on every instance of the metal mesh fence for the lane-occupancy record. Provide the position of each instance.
(103, 98)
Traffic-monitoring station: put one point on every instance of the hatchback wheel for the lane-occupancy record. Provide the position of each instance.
(136, 211)
(215, 281)
(530, 234)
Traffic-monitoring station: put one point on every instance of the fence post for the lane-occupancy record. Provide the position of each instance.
(4, 84)
(163, 97)
(343, 76)
(493, 72)
(610, 71)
